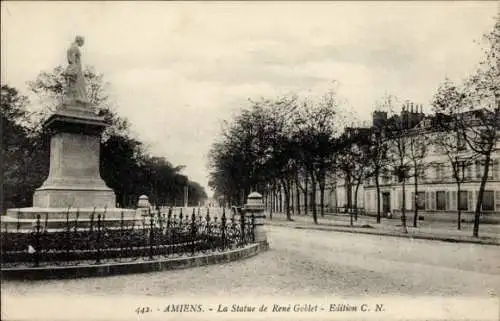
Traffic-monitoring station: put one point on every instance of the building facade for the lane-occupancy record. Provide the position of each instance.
(437, 196)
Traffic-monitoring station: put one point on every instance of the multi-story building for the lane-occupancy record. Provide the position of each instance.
(437, 194)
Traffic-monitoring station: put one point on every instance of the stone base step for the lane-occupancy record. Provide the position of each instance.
(59, 218)
(72, 213)
(10, 224)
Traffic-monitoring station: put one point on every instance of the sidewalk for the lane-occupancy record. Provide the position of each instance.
(488, 234)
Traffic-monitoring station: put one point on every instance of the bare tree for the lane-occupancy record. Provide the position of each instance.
(449, 137)
(376, 159)
(316, 127)
(477, 112)
(399, 150)
(418, 150)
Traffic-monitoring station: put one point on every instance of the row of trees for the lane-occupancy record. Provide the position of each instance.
(275, 145)
(125, 164)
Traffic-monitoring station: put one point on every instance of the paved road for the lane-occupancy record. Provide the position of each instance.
(311, 263)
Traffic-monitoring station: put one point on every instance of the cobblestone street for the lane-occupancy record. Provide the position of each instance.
(305, 263)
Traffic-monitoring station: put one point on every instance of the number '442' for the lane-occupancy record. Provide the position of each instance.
(141, 310)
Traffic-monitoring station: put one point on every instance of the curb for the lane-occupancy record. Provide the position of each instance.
(108, 269)
(408, 236)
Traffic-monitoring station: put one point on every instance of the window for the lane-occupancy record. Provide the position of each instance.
(441, 171)
(491, 169)
(461, 167)
(421, 200)
(495, 169)
(462, 201)
(427, 200)
(440, 200)
(469, 171)
(453, 202)
(478, 170)
(422, 174)
(433, 200)
(488, 201)
(461, 144)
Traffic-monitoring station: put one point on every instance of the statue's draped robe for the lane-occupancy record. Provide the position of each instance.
(74, 75)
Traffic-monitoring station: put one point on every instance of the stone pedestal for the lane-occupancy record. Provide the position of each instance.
(255, 206)
(74, 188)
(74, 179)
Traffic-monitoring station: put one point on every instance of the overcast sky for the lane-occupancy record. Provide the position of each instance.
(176, 69)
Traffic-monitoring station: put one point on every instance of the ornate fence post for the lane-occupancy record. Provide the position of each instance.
(67, 234)
(253, 228)
(193, 232)
(170, 233)
(223, 228)
(91, 228)
(36, 254)
(160, 221)
(151, 233)
(255, 207)
(76, 219)
(208, 230)
(98, 242)
(243, 227)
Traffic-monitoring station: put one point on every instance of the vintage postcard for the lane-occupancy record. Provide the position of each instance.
(251, 160)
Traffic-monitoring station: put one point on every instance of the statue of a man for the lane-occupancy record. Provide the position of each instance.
(75, 81)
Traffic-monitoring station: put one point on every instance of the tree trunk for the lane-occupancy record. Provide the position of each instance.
(286, 190)
(377, 184)
(322, 198)
(358, 183)
(336, 199)
(459, 210)
(306, 196)
(347, 188)
(281, 200)
(351, 218)
(297, 192)
(276, 200)
(415, 209)
(403, 209)
(479, 201)
(313, 199)
(271, 203)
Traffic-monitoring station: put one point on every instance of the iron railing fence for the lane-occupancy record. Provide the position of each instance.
(157, 234)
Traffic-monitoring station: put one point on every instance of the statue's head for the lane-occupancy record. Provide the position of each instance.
(79, 40)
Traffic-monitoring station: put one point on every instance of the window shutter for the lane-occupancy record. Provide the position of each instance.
(427, 201)
(412, 203)
(471, 201)
(497, 200)
(454, 200)
(447, 204)
(433, 200)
